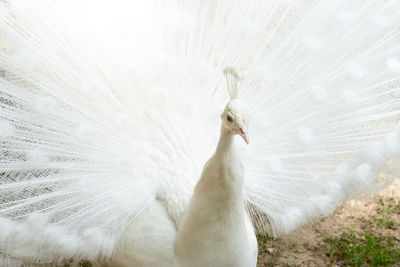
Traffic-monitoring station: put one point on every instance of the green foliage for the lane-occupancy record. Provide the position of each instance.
(386, 223)
(68, 263)
(85, 263)
(273, 258)
(383, 218)
(264, 237)
(272, 254)
(370, 250)
(388, 205)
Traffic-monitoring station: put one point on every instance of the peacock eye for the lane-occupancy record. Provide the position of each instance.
(229, 118)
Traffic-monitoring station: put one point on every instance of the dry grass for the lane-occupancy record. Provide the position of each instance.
(363, 232)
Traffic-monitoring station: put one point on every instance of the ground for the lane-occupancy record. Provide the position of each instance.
(363, 232)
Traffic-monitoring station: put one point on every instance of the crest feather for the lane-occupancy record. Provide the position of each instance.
(232, 79)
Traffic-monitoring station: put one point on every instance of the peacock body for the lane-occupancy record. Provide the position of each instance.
(109, 111)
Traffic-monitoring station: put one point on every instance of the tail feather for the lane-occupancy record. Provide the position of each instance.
(100, 117)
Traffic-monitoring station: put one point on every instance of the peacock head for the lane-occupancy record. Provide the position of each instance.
(235, 116)
(235, 119)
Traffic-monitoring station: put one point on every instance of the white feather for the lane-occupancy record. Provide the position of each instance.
(105, 124)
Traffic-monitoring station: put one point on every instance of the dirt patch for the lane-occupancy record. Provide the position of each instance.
(308, 245)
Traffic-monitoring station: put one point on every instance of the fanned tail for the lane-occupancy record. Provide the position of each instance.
(103, 110)
(64, 138)
(326, 110)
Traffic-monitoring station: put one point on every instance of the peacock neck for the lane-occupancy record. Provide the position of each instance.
(228, 158)
(226, 142)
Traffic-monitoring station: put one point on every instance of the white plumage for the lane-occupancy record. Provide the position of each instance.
(216, 230)
(108, 112)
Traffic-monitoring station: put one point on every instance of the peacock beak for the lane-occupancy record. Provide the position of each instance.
(243, 133)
